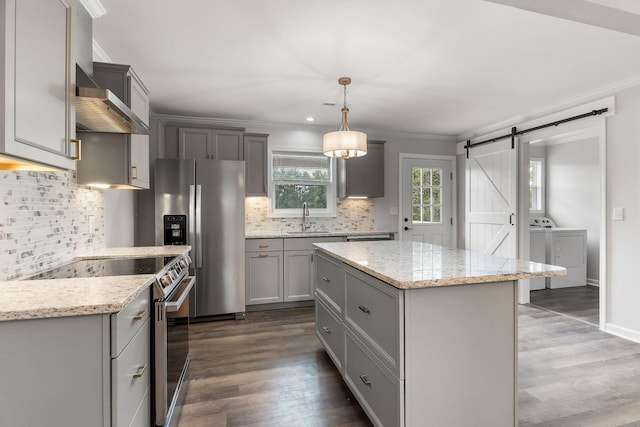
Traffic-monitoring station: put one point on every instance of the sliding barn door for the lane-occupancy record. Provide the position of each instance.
(491, 199)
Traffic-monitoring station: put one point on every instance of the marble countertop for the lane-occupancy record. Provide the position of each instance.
(294, 234)
(136, 252)
(34, 299)
(412, 265)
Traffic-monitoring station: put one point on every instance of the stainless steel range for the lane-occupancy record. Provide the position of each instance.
(170, 346)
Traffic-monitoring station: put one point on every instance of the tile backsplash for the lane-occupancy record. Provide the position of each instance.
(351, 215)
(45, 220)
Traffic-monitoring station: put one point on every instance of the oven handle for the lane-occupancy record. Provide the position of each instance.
(172, 306)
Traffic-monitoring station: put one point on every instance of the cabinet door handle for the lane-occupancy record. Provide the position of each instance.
(264, 245)
(134, 175)
(78, 155)
(364, 309)
(326, 279)
(365, 380)
(141, 315)
(263, 255)
(326, 330)
(140, 371)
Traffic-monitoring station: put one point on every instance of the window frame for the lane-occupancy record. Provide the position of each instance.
(329, 211)
(541, 188)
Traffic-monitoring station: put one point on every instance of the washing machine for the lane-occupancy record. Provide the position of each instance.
(566, 247)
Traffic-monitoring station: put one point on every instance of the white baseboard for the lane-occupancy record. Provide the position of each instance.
(622, 332)
(593, 282)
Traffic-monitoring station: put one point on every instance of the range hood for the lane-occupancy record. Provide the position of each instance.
(99, 110)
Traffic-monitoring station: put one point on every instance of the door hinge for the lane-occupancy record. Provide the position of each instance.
(451, 221)
(451, 176)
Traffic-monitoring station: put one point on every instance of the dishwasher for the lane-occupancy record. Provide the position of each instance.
(370, 237)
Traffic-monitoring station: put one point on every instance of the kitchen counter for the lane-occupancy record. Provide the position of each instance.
(293, 234)
(34, 299)
(411, 265)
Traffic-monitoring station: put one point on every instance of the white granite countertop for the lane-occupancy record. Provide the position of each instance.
(294, 234)
(411, 265)
(34, 299)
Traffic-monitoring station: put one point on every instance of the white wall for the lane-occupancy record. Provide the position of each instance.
(573, 193)
(623, 190)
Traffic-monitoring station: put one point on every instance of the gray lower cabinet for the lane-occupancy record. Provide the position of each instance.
(263, 271)
(85, 371)
(439, 356)
(281, 270)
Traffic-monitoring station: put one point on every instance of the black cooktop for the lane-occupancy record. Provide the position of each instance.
(104, 267)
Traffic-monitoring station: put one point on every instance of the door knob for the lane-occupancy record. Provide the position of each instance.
(408, 228)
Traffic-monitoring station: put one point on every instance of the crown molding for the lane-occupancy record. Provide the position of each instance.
(590, 96)
(213, 121)
(94, 7)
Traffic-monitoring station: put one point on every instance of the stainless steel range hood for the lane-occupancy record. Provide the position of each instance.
(99, 110)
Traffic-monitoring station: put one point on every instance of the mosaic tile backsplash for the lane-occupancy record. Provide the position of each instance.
(45, 220)
(352, 215)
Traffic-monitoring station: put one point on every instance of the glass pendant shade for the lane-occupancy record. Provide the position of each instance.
(344, 143)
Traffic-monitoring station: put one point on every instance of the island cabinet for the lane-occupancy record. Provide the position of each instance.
(86, 370)
(431, 356)
(37, 119)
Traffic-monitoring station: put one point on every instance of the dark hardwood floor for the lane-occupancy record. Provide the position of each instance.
(270, 370)
(581, 302)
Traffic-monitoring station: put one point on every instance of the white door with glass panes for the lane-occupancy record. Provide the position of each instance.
(426, 194)
(491, 199)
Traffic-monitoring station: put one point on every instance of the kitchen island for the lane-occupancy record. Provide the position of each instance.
(76, 351)
(423, 334)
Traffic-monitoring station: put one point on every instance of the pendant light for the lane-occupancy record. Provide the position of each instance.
(344, 143)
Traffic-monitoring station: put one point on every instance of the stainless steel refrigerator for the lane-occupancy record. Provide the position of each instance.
(201, 203)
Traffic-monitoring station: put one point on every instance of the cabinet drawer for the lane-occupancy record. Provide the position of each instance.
(126, 323)
(330, 282)
(131, 377)
(378, 391)
(373, 310)
(330, 331)
(263, 245)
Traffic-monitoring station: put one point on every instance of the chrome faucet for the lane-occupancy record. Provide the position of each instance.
(305, 215)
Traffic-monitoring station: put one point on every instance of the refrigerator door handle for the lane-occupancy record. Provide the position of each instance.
(192, 220)
(199, 226)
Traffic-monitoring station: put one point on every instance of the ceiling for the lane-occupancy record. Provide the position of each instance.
(438, 67)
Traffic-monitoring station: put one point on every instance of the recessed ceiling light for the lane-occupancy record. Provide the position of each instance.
(310, 119)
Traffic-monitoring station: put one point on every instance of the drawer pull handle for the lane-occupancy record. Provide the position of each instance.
(365, 380)
(140, 371)
(264, 245)
(326, 279)
(326, 330)
(263, 255)
(364, 309)
(141, 315)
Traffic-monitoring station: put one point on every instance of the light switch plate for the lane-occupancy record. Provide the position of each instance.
(618, 214)
(393, 210)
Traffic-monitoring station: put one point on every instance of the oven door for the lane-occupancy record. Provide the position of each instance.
(171, 349)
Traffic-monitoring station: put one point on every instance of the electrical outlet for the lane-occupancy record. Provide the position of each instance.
(393, 210)
(92, 224)
(618, 214)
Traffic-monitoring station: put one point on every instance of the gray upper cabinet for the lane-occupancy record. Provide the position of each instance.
(207, 143)
(38, 118)
(121, 160)
(363, 176)
(255, 157)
